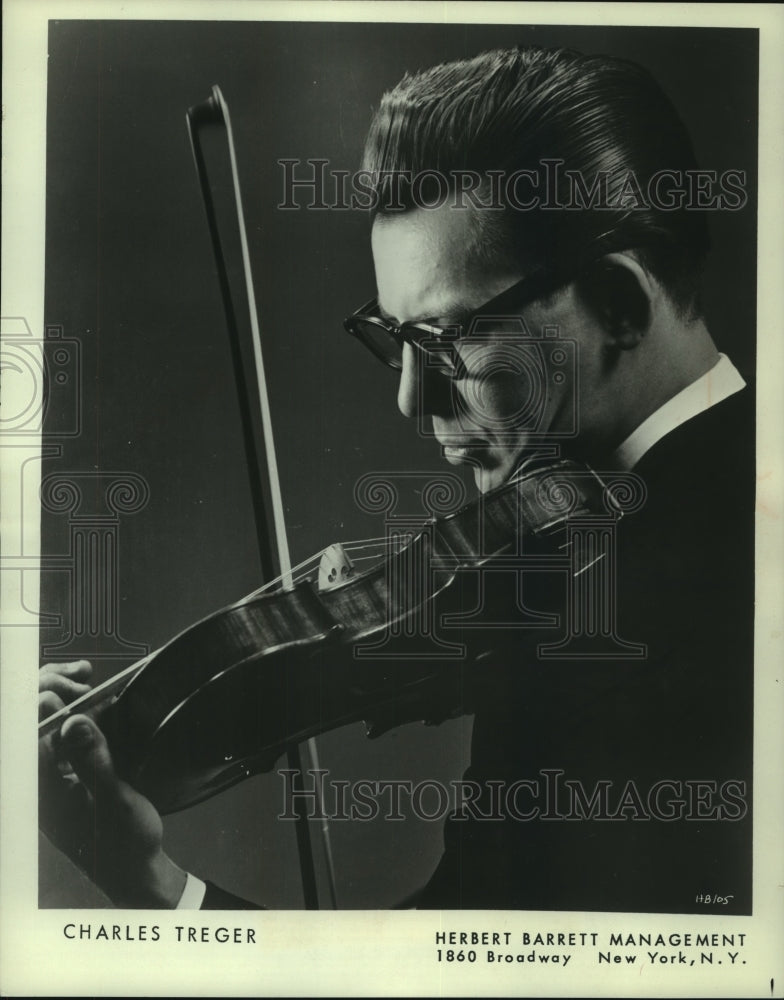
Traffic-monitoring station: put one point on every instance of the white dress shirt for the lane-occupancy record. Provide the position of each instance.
(193, 894)
(721, 381)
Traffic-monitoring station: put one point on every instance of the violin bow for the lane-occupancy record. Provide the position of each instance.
(258, 435)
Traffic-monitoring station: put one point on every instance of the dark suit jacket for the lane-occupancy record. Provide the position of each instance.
(685, 578)
(683, 714)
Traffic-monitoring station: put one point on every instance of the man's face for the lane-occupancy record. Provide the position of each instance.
(507, 390)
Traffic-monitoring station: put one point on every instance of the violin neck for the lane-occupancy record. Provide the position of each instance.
(99, 697)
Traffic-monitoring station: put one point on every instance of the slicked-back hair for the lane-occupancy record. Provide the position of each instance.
(513, 109)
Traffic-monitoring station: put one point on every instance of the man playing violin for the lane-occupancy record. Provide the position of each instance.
(523, 192)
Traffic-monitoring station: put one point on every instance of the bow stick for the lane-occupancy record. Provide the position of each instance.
(258, 436)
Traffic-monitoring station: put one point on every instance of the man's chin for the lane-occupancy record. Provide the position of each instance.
(488, 476)
(488, 479)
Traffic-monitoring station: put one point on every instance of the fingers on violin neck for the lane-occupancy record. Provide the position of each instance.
(65, 688)
(77, 670)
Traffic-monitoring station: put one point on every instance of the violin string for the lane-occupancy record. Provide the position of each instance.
(300, 571)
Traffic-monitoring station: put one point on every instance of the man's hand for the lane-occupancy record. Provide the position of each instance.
(98, 820)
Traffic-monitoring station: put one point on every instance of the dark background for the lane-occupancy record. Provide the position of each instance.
(129, 274)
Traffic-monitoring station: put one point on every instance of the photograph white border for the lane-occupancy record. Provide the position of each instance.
(372, 952)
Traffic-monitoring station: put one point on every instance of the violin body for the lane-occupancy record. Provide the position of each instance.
(226, 698)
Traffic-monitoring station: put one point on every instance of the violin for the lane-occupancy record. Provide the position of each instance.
(228, 696)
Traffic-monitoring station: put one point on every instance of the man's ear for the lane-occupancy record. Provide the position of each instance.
(621, 293)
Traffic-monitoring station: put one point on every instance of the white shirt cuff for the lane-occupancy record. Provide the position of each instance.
(193, 894)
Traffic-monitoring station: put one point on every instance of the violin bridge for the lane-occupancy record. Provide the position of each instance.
(335, 567)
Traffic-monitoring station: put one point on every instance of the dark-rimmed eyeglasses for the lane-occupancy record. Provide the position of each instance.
(436, 342)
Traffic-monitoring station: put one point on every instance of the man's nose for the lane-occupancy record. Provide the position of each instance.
(422, 391)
